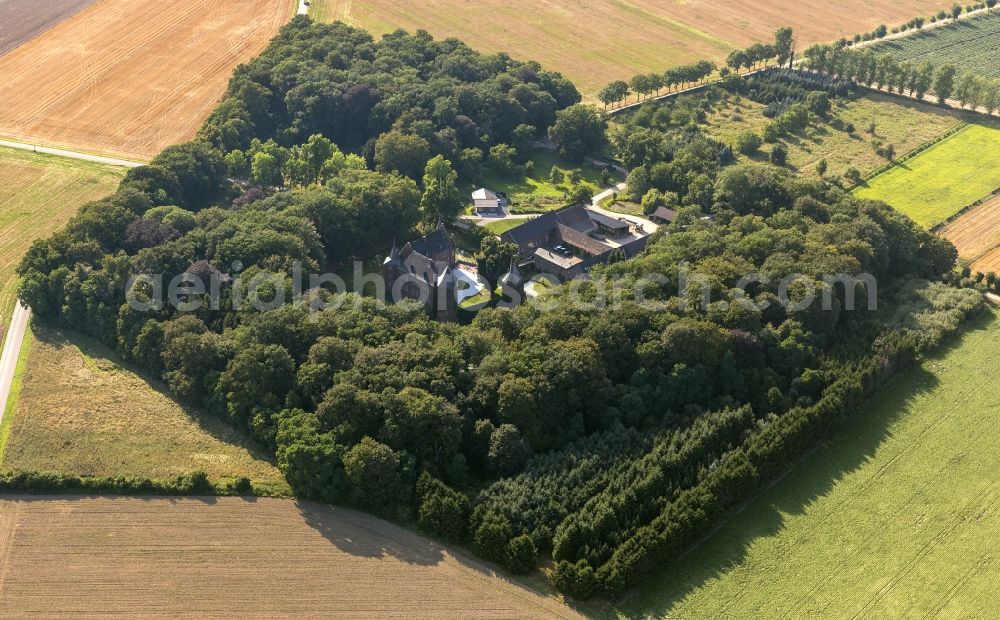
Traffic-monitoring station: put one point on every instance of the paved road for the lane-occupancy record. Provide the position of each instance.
(47, 150)
(11, 351)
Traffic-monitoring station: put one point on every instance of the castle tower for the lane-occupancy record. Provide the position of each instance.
(446, 301)
(512, 284)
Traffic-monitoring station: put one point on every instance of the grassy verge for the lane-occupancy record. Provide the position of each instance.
(15, 391)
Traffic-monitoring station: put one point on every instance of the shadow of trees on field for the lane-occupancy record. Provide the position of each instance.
(810, 479)
(364, 535)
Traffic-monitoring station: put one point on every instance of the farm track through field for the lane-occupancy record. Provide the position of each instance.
(129, 77)
(234, 557)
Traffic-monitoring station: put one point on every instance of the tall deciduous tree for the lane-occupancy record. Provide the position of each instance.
(441, 198)
(578, 131)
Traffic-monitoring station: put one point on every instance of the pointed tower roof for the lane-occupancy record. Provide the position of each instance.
(447, 276)
(393, 257)
(513, 276)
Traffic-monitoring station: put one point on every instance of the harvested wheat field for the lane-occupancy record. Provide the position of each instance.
(20, 20)
(129, 77)
(976, 235)
(234, 557)
(594, 41)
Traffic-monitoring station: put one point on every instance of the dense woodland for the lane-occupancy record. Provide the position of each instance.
(605, 440)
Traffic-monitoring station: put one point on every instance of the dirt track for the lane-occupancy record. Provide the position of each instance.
(129, 77)
(232, 557)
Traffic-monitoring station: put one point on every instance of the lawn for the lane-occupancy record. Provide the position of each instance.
(904, 124)
(897, 517)
(80, 412)
(38, 193)
(970, 44)
(942, 180)
(541, 190)
(595, 41)
(501, 226)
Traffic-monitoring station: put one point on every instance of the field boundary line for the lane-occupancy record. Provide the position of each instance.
(916, 151)
(951, 218)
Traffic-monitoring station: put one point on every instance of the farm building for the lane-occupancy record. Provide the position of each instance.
(488, 204)
(663, 215)
(568, 242)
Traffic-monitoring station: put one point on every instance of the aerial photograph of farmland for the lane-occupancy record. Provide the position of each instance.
(608, 309)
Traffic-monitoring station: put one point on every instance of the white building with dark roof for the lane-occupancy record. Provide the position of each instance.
(488, 204)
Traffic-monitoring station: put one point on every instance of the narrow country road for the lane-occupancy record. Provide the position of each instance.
(11, 351)
(47, 150)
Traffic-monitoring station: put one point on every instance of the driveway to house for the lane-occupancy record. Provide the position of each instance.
(47, 150)
(11, 351)
(647, 226)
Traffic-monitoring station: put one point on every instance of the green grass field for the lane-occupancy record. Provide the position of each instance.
(897, 517)
(38, 193)
(502, 226)
(969, 44)
(904, 124)
(940, 181)
(76, 410)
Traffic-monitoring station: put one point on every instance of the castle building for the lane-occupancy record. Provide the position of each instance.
(424, 270)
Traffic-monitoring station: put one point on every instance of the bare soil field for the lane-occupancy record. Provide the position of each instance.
(595, 41)
(80, 412)
(976, 235)
(20, 20)
(235, 557)
(129, 77)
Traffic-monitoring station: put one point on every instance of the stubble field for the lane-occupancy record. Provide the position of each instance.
(595, 41)
(20, 20)
(897, 517)
(38, 194)
(976, 235)
(129, 77)
(234, 557)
